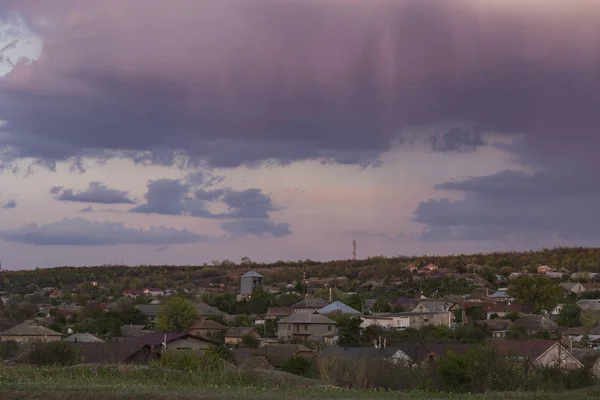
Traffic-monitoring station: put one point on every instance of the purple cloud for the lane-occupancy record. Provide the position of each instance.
(81, 232)
(97, 192)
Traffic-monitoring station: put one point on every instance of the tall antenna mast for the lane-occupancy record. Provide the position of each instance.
(354, 249)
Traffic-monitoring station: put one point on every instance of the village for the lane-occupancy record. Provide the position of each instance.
(314, 319)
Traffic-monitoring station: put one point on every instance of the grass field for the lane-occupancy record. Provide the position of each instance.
(153, 383)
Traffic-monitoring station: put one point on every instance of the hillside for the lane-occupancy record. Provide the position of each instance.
(120, 277)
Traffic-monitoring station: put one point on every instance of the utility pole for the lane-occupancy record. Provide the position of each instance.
(354, 250)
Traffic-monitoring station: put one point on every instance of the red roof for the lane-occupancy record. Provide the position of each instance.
(132, 291)
(56, 293)
(505, 308)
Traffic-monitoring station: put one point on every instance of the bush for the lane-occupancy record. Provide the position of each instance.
(53, 353)
(192, 361)
(300, 366)
(250, 341)
(8, 349)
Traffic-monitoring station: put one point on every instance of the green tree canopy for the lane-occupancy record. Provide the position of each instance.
(178, 314)
(539, 292)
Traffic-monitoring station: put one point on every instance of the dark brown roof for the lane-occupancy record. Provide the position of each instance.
(534, 322)
(279, 312)
(311, 302)
(208, 324)
(239, 332)
(419, 351)
(105, 353)
(523, 348)
(495, 324)
(30, 328)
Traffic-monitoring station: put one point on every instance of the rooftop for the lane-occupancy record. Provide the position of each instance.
(307, 318)
(29, 328)
(252, 274)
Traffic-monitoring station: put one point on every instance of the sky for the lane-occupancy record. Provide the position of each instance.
(182, 132)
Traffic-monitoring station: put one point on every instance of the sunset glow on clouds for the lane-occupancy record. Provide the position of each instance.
(283, 130)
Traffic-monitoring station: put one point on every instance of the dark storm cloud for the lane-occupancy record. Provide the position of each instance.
(511, 204)
(248, 209)
(164, 196)
(458, 140)
(10, 204)
(81, 232)
(97, 192)
(256, 227)
(287, 81)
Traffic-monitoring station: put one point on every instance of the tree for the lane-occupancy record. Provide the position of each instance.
(178, 314)
(476, 313)
(569, 315)
(348, 331)
(539, 292)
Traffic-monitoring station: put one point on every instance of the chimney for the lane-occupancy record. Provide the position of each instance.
(330, 295)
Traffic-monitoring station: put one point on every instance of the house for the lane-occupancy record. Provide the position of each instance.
(235, 336)
(161, 342)
(427, 353)
(278, 312)
(557, 310)
(502, 309)
(501, 295)
(270, 355)
(590, 358)
(371, 284)
(149, 310)
(583, 276)
(428, 268)
(126, 351)
(555, 274)
(405, 353)
(336, 308)
(589, 305)
(432, 306)
(411, 268)
(30, 332)
(479, 294)
(355, 353)
(209, 311)
(534, 324)
(404, 320)
(515, 275)
(249, 282)
(133, 293)
(585, 287)
(83, 338)
(542, 269)
(544, 353)
(497, 327)
(207, 328)
(309, 304)
(567, 286)
(154, 292)
(307, 326)
(55, 294)
(134, 331)
(407, 303)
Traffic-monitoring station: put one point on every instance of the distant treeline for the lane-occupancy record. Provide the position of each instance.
(120, 277)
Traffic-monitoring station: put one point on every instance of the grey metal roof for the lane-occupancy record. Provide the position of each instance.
(83, 338)
(306, 318)
(338, 306)
(252, 274)
(311, 302)
(29, 328)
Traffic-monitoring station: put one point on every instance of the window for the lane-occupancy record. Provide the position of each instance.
(305, 328)
(329, 328)
(289, 327)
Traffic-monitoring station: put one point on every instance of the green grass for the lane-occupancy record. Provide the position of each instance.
(122, 382)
